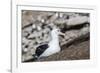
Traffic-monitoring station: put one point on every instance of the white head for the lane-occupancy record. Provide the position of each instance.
(56, 32)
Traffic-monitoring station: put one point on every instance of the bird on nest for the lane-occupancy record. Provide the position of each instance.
(52, 47)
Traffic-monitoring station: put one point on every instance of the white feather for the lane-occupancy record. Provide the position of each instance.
(53, 44)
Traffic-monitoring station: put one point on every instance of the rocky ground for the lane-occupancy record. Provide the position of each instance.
(36, 28)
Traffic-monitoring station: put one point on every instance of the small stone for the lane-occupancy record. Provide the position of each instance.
(34, 26)
(25, 49)
(38, 28)
(42, 20)
(24, 33)
(31, 36)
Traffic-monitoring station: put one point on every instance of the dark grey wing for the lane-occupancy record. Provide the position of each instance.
(40, 49)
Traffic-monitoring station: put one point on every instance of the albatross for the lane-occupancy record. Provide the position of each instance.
(52, 47)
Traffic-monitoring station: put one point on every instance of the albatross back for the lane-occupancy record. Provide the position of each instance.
(40, 49)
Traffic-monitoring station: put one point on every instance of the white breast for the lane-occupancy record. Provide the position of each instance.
(53, 48)
(53, 45)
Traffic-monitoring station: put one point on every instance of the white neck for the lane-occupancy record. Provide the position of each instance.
(55, 39)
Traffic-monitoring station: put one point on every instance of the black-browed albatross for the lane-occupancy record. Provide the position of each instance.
(52, 47)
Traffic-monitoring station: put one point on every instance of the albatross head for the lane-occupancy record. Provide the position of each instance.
(56, 32)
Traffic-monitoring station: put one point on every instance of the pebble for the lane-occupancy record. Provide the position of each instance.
(38, 28)
(42, 20)
(25, 49)
(34, 26)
